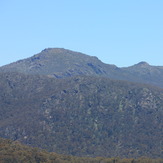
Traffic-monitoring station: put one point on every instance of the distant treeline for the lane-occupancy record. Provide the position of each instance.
(14, 152)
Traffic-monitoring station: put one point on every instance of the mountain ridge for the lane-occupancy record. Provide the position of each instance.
(61, 63)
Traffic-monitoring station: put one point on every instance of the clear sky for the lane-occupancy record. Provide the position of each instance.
(120, 32)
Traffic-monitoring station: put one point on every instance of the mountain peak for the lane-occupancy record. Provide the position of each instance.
(64, 53)
(54, 50)
(142, 64)
(63, 63)
(59, 62)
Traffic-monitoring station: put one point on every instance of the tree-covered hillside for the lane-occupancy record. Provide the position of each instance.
(82, 116)
(14, 152)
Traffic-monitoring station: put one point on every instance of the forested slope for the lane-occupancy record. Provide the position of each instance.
(82, 116)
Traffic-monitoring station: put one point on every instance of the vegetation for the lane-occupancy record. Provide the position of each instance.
(14, 152)
(82, 116)
(73, 104)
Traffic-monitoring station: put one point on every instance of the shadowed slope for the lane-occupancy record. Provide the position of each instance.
(84, 116)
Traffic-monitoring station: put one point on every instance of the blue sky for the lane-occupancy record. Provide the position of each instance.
(120, 32)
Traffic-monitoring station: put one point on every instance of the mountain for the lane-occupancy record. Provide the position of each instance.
(145, 73)
(82, 115)
(71, 103)
(61, 63)
(14, 151)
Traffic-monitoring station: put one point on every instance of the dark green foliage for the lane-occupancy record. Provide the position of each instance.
(14, 152)
(82, 116)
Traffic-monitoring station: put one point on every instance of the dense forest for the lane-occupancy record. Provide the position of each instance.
(82, 116)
